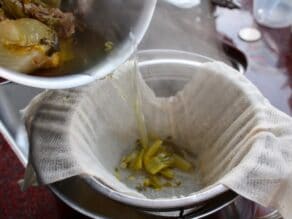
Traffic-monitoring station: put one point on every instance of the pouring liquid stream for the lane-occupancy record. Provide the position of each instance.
(139, 113)
(154, 163)
(135, 102)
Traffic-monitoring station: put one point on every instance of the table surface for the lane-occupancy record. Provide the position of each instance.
(269, 68)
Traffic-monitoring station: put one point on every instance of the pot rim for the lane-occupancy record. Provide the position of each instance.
(158, 204)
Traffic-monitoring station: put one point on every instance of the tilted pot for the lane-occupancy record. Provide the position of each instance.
(124, 22)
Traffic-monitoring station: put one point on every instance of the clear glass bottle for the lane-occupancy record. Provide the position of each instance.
(273, 13)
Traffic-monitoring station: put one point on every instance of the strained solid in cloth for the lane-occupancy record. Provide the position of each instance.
(229, 129)
(156, 164)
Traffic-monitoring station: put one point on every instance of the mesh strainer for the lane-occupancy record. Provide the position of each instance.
(166, 72)
(226, 126)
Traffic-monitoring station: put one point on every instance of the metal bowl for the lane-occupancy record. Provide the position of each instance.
(80, 196)
(166, 72)
(90, 197)
(124, 22)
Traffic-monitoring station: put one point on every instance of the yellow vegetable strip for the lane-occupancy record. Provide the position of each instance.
(158, 158)
(138, 163)
(167, 173)
(152, 150)
(181, 163)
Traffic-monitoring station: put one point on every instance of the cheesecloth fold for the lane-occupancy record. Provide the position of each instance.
(234, 136)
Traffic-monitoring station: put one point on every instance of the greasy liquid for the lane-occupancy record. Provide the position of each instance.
(139, 113)
(87, 50)
(135, 102)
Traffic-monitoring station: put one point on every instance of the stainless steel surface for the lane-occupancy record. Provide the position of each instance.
(124, 22)
(192, 30)
(14, 98)
(95, 205)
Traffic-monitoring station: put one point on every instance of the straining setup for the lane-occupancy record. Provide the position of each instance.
(153, 133)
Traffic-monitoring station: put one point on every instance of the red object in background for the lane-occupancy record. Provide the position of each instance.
(35, 203)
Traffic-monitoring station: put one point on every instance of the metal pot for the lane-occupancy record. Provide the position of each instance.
(166, 72)
(160, 68)
(79, 195)
(124, 22)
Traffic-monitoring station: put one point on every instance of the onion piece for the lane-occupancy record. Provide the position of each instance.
(21, 61)
(26, 32)
(26, 45)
